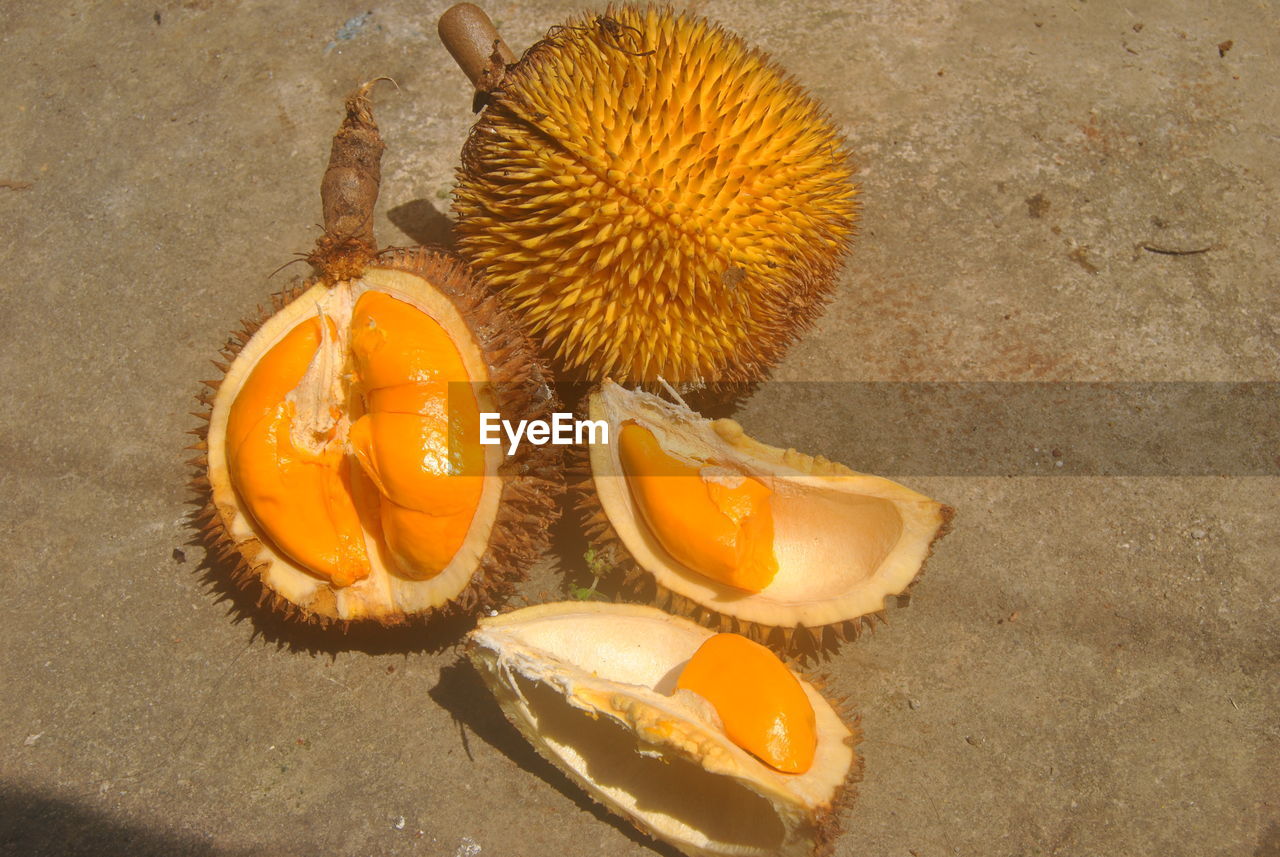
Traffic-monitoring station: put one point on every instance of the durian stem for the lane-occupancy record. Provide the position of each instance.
(349, 192)
(475, 45)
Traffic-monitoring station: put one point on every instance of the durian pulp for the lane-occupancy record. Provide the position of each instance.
(593, 688)
(715, 520)
(842, 540)
(375, 415)
(287, 461)
(759, 701)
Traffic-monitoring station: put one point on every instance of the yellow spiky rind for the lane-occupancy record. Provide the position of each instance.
(656, 198)
(532, 480)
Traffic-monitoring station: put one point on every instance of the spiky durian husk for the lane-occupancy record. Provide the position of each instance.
(612, 557)
(824, 820)
(832, 824)
(656, 199)
(531, 478)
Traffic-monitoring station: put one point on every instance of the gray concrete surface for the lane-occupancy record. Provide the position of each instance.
(1090, 665)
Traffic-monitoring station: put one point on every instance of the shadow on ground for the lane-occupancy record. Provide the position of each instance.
(1270, 844)
(425, 224)
(33, 824)
(462, 693)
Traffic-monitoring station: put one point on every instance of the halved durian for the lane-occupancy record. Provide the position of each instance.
(342, 456)
(592, 686)
(819, 546)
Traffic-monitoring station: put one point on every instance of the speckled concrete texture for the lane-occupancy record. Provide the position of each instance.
(1090, 665)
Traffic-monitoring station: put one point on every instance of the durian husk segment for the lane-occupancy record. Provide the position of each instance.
(590, 686)
(655, 198)
(843, 540)
(510, 529)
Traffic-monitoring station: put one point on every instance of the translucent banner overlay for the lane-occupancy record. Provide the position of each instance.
(1012, 428)
(1028, 429)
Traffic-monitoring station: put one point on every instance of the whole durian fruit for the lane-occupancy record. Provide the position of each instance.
(654, 197)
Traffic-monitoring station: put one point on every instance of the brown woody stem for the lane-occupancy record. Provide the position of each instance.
(349, 192)
(350, 187)
(475, 45)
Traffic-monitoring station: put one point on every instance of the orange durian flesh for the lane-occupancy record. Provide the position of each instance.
(759, 700)
(420, 448)
(411, 442)
(300, 496)
(715, 520)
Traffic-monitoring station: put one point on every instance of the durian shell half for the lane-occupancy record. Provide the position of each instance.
(588, 684)
(844, 540)
(511, 527)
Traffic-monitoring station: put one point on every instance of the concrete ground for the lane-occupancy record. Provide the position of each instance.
(1089, 666)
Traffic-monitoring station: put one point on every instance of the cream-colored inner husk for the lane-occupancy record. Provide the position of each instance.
(383, 592)
(587, 684)
(843, 540)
